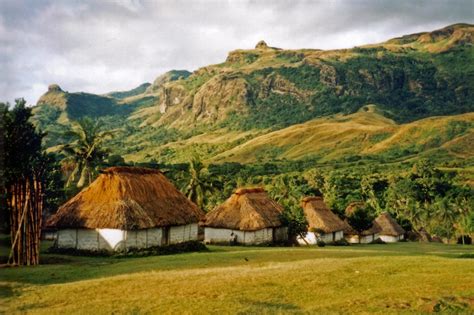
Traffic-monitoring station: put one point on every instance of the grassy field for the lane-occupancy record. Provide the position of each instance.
(391, 278)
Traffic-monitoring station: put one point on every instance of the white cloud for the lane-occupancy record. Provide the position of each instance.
(100, 46)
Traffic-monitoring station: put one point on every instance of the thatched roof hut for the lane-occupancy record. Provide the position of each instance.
(349, 230)
(319, 216)
(249, 216)
(388, 225)
(248, 209)
(127, 198)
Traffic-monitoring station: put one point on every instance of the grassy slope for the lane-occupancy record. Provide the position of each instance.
(403, 277)
(360, 133)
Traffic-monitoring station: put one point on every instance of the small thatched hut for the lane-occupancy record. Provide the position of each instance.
(323, 224)
(365, 237)
(249, 216)
(126, 207)
(391, 231)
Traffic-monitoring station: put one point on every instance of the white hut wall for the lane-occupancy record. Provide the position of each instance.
(390, 238)
(183, 233)
(219, 235)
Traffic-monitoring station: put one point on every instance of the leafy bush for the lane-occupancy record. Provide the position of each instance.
(185, 247)
(377, 241)
(190, 246)
(341, 242)
(320, 243)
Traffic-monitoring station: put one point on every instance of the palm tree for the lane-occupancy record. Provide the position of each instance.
(199, 183)
(465, 224)
(447, 216)
(85, 152)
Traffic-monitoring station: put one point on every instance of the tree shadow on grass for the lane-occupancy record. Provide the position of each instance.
(6, 291)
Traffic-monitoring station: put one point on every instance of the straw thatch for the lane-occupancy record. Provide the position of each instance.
(248, 209)
(127, 198)
(319, 216)
(353, 206)
(388, 225)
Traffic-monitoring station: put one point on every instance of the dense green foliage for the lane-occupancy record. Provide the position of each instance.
(136, 91)
(422, 197)
(361, 218)
(275, 111)
(22, 158)
(406, 86)
(84, 104)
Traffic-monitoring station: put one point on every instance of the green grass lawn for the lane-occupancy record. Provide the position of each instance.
(390, 278)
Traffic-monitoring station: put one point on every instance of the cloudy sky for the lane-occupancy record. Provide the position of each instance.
(104, 45)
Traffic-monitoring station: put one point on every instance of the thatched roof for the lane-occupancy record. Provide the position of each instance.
(319, 216)
(353, 206)
(246, 210)
(127, 198)
(388, 225)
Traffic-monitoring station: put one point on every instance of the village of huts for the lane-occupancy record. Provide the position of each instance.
(126, 207)
(249, 216)
(132, 208)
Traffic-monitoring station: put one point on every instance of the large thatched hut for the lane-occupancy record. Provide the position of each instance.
(249, 216)
(126, 207)
(391, 231)
(323, 224)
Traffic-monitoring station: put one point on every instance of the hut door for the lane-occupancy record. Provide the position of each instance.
(165, 238)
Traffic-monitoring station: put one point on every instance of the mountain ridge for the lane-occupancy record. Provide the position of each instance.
(266, 89)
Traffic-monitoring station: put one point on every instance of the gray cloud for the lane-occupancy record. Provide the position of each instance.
(100, 46)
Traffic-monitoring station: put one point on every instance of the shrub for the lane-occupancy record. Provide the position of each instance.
(341, 242)
(320, 243)
(377, 241)
(186, 247)
(191, 246)
(79, 252)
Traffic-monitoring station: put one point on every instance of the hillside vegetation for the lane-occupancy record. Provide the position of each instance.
(267, 104)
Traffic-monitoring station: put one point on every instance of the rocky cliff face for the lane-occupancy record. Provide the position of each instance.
(410, 77)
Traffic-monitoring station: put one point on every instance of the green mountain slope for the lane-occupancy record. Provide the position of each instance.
(267, 104)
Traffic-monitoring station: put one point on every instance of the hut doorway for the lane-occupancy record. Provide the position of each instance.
(165, 238)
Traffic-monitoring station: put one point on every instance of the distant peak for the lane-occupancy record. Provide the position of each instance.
(261, 45)
(54, 88)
